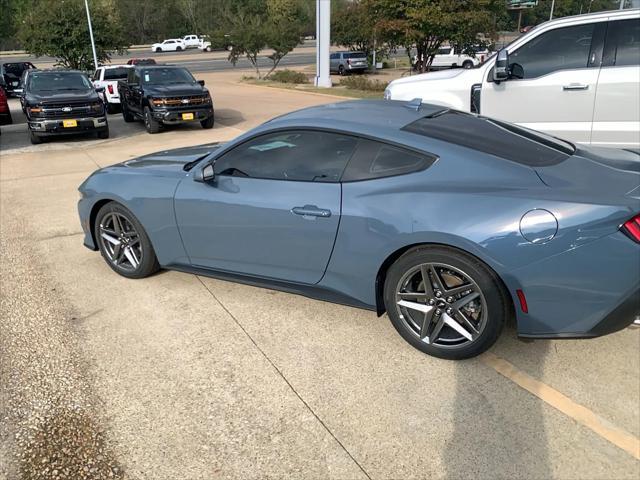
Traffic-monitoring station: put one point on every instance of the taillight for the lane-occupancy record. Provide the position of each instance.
(110, 88)
(631, 228)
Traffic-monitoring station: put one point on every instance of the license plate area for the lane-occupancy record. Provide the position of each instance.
(69, 123)
(187, 116)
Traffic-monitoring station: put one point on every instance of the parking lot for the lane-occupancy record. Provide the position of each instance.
(184, 377)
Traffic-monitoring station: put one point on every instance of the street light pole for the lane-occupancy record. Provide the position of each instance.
(553, 5)
(93, 44)
(323, 40)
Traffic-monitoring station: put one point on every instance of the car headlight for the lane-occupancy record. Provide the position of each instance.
(35, 110)
(387, 94)
(157, 102)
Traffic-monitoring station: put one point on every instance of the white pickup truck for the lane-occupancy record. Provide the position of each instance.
(577, 78)
(450, 57)
(107, 77)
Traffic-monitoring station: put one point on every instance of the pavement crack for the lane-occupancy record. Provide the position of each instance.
(61, 235)
(279, 372)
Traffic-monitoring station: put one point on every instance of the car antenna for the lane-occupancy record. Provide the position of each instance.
(414, 104)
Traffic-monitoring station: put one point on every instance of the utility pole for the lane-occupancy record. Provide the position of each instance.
(93, 44)
(323, 41)
(553, 5)
(621, 4)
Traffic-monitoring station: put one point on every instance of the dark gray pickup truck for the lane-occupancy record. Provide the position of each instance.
(164, 95)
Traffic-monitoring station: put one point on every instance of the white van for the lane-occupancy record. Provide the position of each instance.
(577, 78)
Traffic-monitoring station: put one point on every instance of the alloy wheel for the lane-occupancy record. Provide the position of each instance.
(121, 242)
(441, 305)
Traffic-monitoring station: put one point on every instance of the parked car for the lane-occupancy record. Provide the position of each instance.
(450, 57)
(106, 79)
(575, 77)
(345, 63)
(5, 113)
(11, 73)
(170, 45)
(61, 102)
(450, 222)
(141, 61)
(191, 41)
(164, 95)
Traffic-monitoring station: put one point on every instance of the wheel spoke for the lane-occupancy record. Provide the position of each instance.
(421, 307)
(457, 290)
(108, 231)
(411, 295)
(450, 322)
(426, 280)
(464, 300)
(117, 226)
(131, 257)
(110, 239)
(426, 323)
(458, 314)
(435, 277)
(435, 332)
(118, 254)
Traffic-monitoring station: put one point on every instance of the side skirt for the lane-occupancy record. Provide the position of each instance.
(311, 291)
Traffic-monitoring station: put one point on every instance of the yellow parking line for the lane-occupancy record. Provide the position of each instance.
(619, 437)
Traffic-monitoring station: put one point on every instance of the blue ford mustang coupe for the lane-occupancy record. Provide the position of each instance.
(451, 223)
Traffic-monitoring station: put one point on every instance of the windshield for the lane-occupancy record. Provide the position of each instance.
(59, 81)
(167, 76)
(116, 73)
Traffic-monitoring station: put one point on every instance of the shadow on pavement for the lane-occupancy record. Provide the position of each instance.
(496, 439)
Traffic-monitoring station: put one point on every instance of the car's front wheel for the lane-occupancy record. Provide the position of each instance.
(208, 123)
(445, 302)
(123, 242)
(152, 125)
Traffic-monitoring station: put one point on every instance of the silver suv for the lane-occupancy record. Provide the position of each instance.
(347, 62)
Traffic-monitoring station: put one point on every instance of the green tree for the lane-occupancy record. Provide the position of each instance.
(255, 25)
(58, 28)
(353, 26)
(427, 24)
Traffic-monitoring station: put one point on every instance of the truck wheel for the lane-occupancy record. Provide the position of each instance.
(35, 139)
(104, 133)
(467, 64)
(208, 123)
(126, 114)
(153, 126)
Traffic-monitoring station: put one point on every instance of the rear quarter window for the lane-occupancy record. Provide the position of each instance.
(494, 137)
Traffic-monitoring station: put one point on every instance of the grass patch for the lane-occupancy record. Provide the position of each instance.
(363, 83)
(289, 76)
(338, 90)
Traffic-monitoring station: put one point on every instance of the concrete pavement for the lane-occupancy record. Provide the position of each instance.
(194, 378)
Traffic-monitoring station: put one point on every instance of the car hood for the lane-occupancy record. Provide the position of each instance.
(174, 90)
(433, 76)
(170, 162)
(45, 98)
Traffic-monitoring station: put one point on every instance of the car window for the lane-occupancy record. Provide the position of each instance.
(354, 55)
(297, 155)
(116, 73)
(444, 51)
(374, 159)
(559, 49)
(334, 56)
(96, 76)
(494, 137)
(623, 43)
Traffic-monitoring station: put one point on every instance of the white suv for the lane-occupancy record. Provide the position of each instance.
(170, 45)
(576, 77)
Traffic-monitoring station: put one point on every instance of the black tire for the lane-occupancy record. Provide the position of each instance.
(493, 298)
(148, 262)
(467, 64)
(341, 71)
(208, 123)
(111, 108)
(178, 49)
(35, 138)
(103, 133)
(126, 114)
(158, 50)
(151, 124)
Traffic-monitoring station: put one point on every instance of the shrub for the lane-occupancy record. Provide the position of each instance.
(363, 83)
(288, 76)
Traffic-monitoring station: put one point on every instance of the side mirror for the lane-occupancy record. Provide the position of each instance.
(204, 174)
(201, 82)
(100, 89)
(501, 68)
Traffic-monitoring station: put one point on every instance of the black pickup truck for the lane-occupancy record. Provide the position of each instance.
(164, 95)
(59, 102)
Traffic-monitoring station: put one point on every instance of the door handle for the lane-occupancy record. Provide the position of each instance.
(311, 211)
(575, 86)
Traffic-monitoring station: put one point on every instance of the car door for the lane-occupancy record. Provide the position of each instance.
(444, 57)
(134, 91)
(616, 117)
(553, 82)
(334, 60)
(273, 208)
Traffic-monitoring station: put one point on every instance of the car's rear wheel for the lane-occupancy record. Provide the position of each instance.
(123, 242)
(467, 64)
(158, 49)
(445, 302)
(126, 114)
(152, 125)
(342, 71)
(178, 49)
